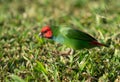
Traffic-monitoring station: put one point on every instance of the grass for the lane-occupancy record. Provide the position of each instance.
(24, 57)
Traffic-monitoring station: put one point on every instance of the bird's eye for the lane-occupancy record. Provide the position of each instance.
(45, 31)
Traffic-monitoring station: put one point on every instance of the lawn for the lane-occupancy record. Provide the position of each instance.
(25, 57)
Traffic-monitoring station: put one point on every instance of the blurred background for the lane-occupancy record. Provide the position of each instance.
(20, 47)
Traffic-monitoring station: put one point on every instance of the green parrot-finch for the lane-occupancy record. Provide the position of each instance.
(71, 37)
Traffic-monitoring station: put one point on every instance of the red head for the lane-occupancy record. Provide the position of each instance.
(46, 32)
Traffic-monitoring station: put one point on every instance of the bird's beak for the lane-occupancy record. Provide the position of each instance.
(40, 35)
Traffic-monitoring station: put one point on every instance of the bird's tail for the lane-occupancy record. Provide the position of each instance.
(98, 44)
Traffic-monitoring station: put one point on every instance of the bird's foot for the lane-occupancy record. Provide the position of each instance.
(68, 51)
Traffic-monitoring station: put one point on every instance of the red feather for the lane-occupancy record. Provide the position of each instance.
(47, 32)
(97, 43)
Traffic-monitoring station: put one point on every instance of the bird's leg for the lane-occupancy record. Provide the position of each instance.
(63, 51)
(68, 51)
(71, 51)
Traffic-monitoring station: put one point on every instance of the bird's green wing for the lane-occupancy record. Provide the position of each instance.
(77, 35)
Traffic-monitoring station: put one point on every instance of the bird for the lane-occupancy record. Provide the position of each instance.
(69, 36)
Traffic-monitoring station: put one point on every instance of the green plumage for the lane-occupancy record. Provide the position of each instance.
(72, 37)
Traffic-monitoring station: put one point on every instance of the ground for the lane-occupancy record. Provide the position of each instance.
(24, 57)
